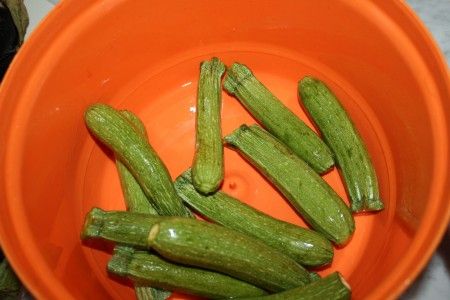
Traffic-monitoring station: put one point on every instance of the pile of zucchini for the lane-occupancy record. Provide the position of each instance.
(241, 252)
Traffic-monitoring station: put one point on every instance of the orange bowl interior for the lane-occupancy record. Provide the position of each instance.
(144, 56)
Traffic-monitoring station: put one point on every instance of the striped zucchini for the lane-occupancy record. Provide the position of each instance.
(144, 267)
(332, 287)
(207, 167)
(314, 276)
(313, 198)
(137, 201)
(305, 246)
(343, 138)
(125, 228)
(202, 244)
(135, 198)
(116, 132)
(144, 292)
(277, 118)
(213, 247)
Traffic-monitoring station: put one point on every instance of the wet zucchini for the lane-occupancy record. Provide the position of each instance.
(200, 244)
(137, 201)
(313, 198)
(343, 138)
(332, 287)
(305, 246)
(116, 132)
(135, 198)
(144, 267)
(220, 249)
(207, 168)
(277, 118)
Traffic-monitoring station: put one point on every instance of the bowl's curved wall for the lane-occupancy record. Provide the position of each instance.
(144, 55)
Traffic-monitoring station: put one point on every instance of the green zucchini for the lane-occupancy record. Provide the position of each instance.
(133, 194)
(331, 287)
(125, 228)
(342, 137)
(137, 201)
(207, 167)
(144, 267)
(144, 292)
(313, 198)
(135, 198)
(314, 276)
(116, 132)
(305, 246)
(277, 118)
(202, 244)
(213, 247)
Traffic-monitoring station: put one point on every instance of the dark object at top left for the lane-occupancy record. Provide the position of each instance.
(9, 39)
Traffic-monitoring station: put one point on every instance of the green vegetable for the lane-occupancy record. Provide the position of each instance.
(10, 285)
(136, 201)
(207, 168)
(126, 228)
(303, 245)
(343, 138)
(314, 276)
(217, 248)
(116, 132)
(148, 268)
(202, 244)
(135, 198)
(277, 118)
(313, 198)
(144, 292)
(332, 287)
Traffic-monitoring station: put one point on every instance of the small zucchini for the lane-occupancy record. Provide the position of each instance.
(313, 198)
(342, 137)
(125, 228)
(145, 292)
(135, 198)
(277, 118)
(116, 132)
(207, 167)
(331, 287)
(201, 244)
(214, 247)
(144, 267)
(305, 246)
(137, 201)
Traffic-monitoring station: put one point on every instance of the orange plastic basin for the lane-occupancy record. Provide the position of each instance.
(144, 56)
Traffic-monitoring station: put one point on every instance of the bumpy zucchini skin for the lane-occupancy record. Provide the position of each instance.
(342, 137)
(332, 287)
(137, 201)
(313, 198)
(125, 228)
(305, 246)
(214, 247)
(277, 118)
(117, 133)
(201, 244)
(207, 167)
(150, 269)
(135, 198)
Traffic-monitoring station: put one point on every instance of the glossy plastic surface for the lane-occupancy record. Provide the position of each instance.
(144, 56)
